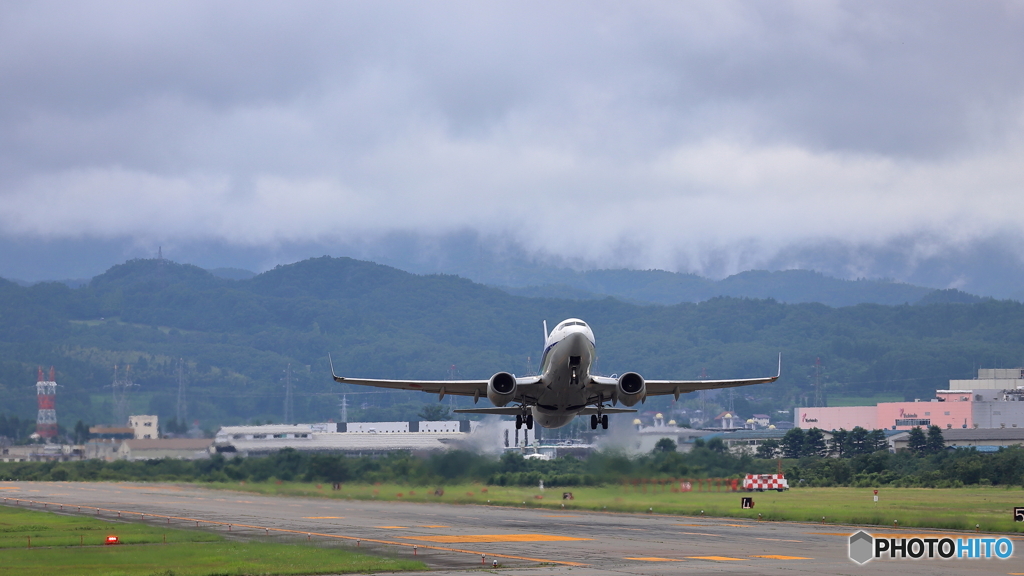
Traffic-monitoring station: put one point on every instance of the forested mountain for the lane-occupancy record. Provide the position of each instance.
(791, 286)
(239, 336)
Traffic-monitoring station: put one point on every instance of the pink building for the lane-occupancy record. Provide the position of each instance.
(834, 418)
(949, 409)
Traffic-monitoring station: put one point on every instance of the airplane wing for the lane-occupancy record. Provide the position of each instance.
(677, 387)
(474, 388)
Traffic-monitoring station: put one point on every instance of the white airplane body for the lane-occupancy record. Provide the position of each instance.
(564, 389)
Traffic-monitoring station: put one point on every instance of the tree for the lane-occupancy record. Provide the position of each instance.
(793, 443)
(81, 432)
(716, 444)
(435, 412)
(840, 443)
(917, 443)
(935, 443)
(768, 449)
(877, 439)
(814, 443)
(665, 445)
(857, 443)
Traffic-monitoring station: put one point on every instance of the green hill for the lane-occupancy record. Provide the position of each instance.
(239, 336)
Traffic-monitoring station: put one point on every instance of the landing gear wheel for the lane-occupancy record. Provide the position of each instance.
(604, 421)
(529, 421)
(519, 421)
(575, 379)
(593, 421)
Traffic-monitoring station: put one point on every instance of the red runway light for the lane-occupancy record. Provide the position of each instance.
(112, 540)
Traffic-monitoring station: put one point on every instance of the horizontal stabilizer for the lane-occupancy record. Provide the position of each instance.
(506, 411)
(589, 411)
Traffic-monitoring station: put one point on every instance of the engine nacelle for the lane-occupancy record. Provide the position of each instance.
(501, 389)
(631, 388)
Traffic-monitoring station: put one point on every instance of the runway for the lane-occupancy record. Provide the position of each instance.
(528, 541)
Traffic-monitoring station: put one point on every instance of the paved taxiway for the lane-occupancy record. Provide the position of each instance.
(530, 541)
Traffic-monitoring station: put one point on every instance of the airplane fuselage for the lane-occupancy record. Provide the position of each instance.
(565, 369)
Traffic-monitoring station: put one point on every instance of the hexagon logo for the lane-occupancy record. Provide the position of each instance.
(861, 545)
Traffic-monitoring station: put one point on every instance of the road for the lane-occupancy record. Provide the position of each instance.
(527, 541)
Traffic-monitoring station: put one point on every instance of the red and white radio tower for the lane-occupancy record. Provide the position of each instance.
(46, 394)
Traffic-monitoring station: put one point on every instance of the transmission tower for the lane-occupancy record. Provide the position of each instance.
(46, 394)
(121, 388)
(182, 411)
(529, 367)
(344, 407)
(289, 414)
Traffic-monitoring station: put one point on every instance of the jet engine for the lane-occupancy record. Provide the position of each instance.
(631, 388)
(501, 389)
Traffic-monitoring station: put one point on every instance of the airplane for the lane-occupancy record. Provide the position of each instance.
(564, 389)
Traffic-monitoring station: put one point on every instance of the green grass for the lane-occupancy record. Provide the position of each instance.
(953, 508)
(56, 550)
(17, 525)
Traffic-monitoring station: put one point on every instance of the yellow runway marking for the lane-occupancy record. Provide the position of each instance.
(655, 559)
(778, 557)
(494, 538)
(8, 487)
(392, 527)
(243, 502)
(323, 517)
(738, 525)
(336, 536)
(716, 558)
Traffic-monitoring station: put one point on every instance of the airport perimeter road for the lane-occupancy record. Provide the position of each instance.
(524, 541)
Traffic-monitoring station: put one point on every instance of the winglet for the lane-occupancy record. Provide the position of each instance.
(333, 375)
(545, 333)
(780, 366)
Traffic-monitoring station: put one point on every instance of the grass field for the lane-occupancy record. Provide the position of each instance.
(73, 545)
(955, 508)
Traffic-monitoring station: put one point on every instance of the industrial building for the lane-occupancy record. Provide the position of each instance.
(993, 400)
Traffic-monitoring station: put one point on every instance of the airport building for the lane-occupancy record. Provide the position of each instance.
(993, 400)
(352, 438)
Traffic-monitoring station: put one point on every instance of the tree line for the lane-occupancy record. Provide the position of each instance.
(906, 468)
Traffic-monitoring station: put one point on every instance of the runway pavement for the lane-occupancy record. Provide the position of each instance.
(528, 541)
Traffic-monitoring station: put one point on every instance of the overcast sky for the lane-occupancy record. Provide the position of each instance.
(643, 134)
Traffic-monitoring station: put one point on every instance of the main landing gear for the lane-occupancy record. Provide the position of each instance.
(595, 420)
(528, 420)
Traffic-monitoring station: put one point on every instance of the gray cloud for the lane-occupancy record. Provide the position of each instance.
(692, 136)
